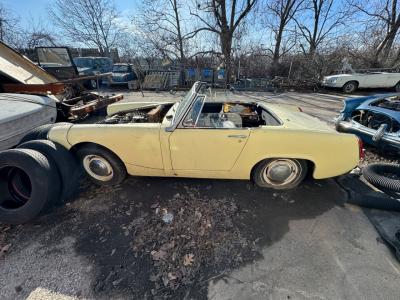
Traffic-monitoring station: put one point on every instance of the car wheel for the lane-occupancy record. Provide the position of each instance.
(397, 87)
(93, 84)
(28, 184)
(65, 162)
(102, 166)
(279, 173)
(350, 87)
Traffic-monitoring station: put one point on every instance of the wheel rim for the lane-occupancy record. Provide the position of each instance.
(93, 83)
(98, 167)
(281, 172)
(16, 188)
(349, 88)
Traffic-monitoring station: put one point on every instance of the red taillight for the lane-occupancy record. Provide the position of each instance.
(361, 149)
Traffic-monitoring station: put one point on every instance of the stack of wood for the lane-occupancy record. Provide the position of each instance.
(161, 80)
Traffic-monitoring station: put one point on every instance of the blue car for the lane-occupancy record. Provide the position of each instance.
(374, 119)
(122, 74)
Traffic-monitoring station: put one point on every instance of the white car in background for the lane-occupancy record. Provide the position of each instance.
(351, 82)
(21, 113)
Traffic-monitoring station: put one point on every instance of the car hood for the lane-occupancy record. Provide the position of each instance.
(15, 106)
(293, 118)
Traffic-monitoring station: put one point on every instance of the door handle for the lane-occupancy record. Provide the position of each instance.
(237, 136)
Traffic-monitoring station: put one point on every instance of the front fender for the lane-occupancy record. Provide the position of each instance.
(59, 134)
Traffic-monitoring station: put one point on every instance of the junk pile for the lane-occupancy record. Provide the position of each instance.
(20, 75)
(189, 236)
(285, 83)
(160, 80)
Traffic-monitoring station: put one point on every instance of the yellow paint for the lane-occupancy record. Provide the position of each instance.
(147, 149)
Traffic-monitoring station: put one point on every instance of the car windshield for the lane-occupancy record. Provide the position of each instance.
(83, 62)
(120, 69)
(54, 57)
(198, 87)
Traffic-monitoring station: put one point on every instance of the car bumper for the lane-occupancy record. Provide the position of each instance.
(329, 84)
(368, 135)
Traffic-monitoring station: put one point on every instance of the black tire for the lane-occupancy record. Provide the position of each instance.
(397, 87)
(113, 171)
(66, 164)
(296, 170)
(37, 133)
(40, 132)
(28, 184)
(376, 174)
(350, 87)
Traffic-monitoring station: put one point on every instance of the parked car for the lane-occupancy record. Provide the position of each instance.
(351, 82)
(274, 145)
(20, 113)
(375, 119)
(88, 66)
(122, 74)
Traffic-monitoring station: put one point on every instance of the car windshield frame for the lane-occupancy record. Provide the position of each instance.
(185, 104)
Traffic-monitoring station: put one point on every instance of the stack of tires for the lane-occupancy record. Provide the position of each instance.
(35, 176)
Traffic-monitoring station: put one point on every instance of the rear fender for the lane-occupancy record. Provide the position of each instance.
(352, 103)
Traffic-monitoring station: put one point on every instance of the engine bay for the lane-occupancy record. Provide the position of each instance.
(152, 114)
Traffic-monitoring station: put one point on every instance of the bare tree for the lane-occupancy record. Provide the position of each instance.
(38, 34)
(91, 22)
(223, 17)
(164, 26)
(10, 32)
(384, 14)
(319, 20)
(282, 12)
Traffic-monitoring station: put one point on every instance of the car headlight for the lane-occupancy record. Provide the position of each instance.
(333, 80)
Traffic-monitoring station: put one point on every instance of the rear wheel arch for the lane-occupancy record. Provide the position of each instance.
(310, 165)
(397, 87)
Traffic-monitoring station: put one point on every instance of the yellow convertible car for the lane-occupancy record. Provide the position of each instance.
(274, 145)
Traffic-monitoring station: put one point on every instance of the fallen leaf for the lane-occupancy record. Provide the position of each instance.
(155, 205)
(165, 280)
(158, 255)
(172, 276)
(5, 249)
(188, 259)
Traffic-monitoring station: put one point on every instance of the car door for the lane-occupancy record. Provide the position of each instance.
(205, 148)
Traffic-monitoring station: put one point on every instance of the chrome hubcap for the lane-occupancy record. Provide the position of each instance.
(349, 87)
(98, 167)
(281, 172)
